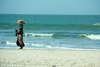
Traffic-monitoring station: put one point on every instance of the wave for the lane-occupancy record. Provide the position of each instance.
(47, 46)
(42, 46)
(38, 35)
(7, 42)
(96, 24)
(36, 44)
(46, 35)
(92, 36)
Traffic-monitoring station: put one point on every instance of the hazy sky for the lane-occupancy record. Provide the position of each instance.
(66, 7)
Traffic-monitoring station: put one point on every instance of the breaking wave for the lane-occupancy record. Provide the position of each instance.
(37, 35)
(96, 24)
(46, 35)
(92, 36)
(7, 42)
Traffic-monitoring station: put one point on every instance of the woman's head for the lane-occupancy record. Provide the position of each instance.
(21, 22)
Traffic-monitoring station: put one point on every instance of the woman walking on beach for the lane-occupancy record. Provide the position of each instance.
(20, 34)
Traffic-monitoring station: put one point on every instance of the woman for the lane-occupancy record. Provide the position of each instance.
(20, 34)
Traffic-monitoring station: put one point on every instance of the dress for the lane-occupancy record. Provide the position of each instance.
(20, 38)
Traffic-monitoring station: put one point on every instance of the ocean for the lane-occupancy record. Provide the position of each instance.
(74, 32)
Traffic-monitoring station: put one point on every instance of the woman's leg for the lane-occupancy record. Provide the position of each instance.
(21, 41)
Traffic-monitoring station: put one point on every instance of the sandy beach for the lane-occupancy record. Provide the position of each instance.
(49, 58)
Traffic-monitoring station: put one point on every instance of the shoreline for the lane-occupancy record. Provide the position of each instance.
(49, 49)
(49, 58)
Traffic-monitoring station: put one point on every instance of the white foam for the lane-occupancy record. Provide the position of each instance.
(49, 47)
(38, 35)
(7, 42)
(37, 44)
(10, 43)
(96, 24)
(92, 36)
(56, 47)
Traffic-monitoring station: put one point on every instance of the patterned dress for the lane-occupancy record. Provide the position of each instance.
(20, 38)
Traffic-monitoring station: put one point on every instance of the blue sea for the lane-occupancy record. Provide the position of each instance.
(79, 32)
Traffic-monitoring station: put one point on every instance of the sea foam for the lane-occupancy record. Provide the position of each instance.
(92, 36)
(37, 35)
(96, 24)
(36, 44)
(7, 42)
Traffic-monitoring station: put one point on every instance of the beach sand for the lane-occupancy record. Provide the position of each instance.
(49, 58)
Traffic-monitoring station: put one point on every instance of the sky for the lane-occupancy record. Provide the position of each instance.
(61, 7)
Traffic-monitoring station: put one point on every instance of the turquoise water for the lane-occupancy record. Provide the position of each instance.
(52, 31)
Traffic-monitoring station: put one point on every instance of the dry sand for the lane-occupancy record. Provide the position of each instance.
(49, 58)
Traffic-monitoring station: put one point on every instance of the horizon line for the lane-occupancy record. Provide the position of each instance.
(50, 14)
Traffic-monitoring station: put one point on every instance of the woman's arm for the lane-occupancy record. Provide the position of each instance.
(18, 31)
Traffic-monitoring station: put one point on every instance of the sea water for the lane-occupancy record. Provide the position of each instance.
(51, 31)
